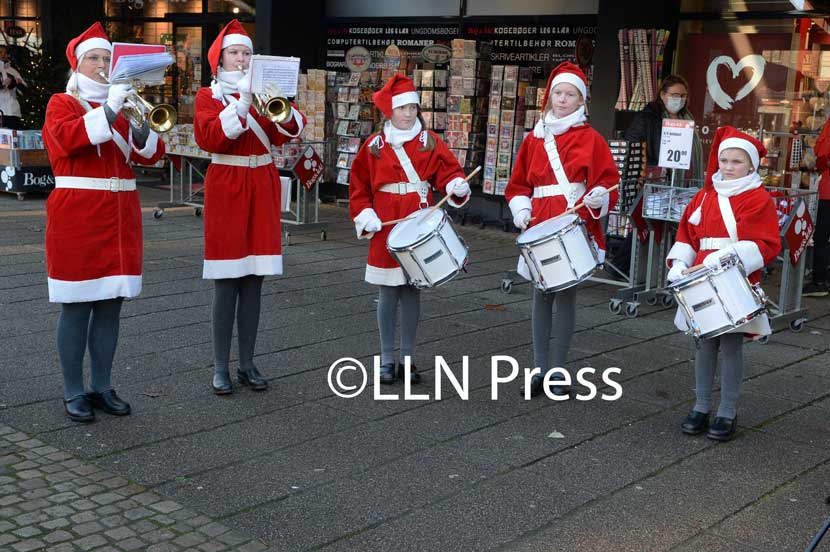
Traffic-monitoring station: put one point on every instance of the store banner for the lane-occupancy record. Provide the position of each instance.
(799, 232)
(309, 168)
(540, 43)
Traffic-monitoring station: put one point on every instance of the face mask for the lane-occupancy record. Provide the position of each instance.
(675, 104)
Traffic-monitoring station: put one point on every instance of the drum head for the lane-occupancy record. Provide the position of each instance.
(545, 229)
(411, 231)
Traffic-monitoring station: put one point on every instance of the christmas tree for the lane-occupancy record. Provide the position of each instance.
(44, 76)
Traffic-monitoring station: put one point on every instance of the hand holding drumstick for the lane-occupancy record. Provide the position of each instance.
(573, 209)
(436, 206)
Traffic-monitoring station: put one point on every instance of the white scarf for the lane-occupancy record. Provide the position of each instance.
(87, 88)
(395, 137)
(225, 83)
(729, 188)
(549, 123)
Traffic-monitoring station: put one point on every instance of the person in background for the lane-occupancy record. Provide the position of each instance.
(818, 287)
(10, 84)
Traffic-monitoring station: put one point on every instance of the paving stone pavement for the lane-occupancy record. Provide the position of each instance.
(298, 468)
(51, 501)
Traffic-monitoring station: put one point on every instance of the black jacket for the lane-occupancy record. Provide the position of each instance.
(647, 127)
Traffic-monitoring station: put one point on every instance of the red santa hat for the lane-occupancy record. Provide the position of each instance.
(734, 138)
(232, 33)
(92, 38)
(398, 91)
(569, 73)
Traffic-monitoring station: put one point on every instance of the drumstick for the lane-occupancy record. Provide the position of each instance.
(434, 207)
(573, 209)
(691, 269)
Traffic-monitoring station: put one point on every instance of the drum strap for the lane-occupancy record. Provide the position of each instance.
(411, 173)
(571, 191)
(728, 218)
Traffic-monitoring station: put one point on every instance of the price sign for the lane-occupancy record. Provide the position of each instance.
(676, 143)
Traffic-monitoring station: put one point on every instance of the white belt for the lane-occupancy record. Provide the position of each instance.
(555, 190)
(713, 244)
(250, 161)
(403, 188)
(113, 184)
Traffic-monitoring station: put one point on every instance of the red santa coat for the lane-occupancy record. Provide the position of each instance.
(93, 236)
(585, 158)
(242, 203)
(368, 174)
(758, 241)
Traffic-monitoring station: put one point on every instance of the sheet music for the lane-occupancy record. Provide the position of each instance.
(275, 75)
(149, 68)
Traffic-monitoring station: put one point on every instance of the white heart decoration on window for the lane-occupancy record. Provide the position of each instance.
(724, 100)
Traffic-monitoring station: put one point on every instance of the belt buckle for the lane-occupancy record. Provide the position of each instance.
(252, 161)
(115, 184)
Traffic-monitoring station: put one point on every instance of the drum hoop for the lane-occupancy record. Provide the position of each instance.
(545, 239)
(726, 329)
(422, 240)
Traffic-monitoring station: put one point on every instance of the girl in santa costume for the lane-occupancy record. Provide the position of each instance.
(562, 163)
(242, 202)
(93, 220)
(391, 177)
(732, 214)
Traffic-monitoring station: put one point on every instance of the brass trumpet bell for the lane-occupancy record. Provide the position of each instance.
(277, 109)
(160, 118)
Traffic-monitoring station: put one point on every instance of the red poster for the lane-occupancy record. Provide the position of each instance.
(799, 232)
(309, 168)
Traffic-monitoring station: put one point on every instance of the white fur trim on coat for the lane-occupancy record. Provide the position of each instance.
(150, 147)
(385, 276)
(297, 117)
(259, 265)
(231, 124)
(98, 289)
(366, 216)
(97, 127)
(682, 252)
(750, 255)
(518, 203)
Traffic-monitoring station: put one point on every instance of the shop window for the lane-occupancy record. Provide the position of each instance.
(237, 7)
(150, 8)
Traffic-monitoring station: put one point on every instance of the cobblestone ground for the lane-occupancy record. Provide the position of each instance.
(51, 501)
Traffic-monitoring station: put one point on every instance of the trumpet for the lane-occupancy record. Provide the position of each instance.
(276, 108)
(160, 118)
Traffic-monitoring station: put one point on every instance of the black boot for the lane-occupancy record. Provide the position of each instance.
(109, 402)
(695, 423)
(79, 410)
(222, 383)
(722, 429)
(387, 373)
(252, 378)
(535, 385)
(414, 376)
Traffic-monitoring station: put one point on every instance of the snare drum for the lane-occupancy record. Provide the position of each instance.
(718, 300)
(559, 253)
(428, 249)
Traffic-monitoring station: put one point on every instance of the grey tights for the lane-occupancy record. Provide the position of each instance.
(731, 374)
(563, 330)
(240, 297)
(388, 297)
(92, 325)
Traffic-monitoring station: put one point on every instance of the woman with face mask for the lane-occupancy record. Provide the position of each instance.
(561, 163)
(672, 103)
(392, 176)
(242, 202)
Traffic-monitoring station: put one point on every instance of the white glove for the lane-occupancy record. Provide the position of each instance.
(676, 271)
(458, 188)
(116, 96)
(372, 226)
(245, 96)
(522, 219)
(712, 260)
(595, 198)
